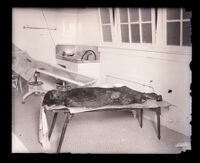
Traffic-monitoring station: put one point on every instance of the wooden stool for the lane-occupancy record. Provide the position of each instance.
(34, 87)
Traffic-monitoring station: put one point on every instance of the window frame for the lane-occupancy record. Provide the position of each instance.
(177, 48)
(116, 32)
(159, 38)
(102, 42)
(140, 44)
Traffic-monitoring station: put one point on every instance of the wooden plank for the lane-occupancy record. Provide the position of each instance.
(146, 105)
(68, 76)
(163, 104)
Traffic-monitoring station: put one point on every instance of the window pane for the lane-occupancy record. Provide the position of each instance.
(173, 13)
(146, 33)
(124, 33)
(173, 33)
(123, 15)
(186, 14)
(146, 14)
(107, 37)
(105, 16)
(134, 14)
(187, 33)
(135, 33)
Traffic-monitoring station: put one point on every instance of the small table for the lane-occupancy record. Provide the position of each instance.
(71, 111)
(34, 87)
(59, 73)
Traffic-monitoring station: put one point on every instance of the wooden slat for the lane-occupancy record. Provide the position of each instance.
(146, 105)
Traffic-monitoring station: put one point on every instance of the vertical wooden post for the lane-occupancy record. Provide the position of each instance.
(20, 84)
(53, 124)
(137, 113)
(67, 118)
(141, 117)
(158, 113)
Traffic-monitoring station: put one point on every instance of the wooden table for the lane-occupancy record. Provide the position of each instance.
(71, 111)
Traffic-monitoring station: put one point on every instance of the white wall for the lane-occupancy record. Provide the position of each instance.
(88, 27)
(166, 74)
(74, 26)
(38, 42)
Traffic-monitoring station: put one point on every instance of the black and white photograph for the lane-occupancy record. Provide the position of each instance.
(101, 80)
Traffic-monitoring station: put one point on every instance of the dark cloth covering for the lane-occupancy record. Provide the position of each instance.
(97, 97)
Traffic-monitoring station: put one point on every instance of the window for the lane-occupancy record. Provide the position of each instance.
(178, 27)
(155, 29)
(106, 24)
(136, 25)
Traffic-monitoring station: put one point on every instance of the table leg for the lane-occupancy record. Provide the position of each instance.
(20, 85)
(158, 113)
(141, 117)
(53, 124)
(68, 116)
(137, 113)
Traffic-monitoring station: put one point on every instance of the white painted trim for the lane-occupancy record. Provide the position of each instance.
(129, 26)
(140, 26)
(111, 24)
(181, 27)
(146, 54)
(153, 27)
(119, 26)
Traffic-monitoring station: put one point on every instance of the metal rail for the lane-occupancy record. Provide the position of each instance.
(39, 28)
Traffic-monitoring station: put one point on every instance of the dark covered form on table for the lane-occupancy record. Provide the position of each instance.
(97, 97)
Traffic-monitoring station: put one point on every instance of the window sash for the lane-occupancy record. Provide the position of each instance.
(106, 24)
(181, 21)
(140, 22)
